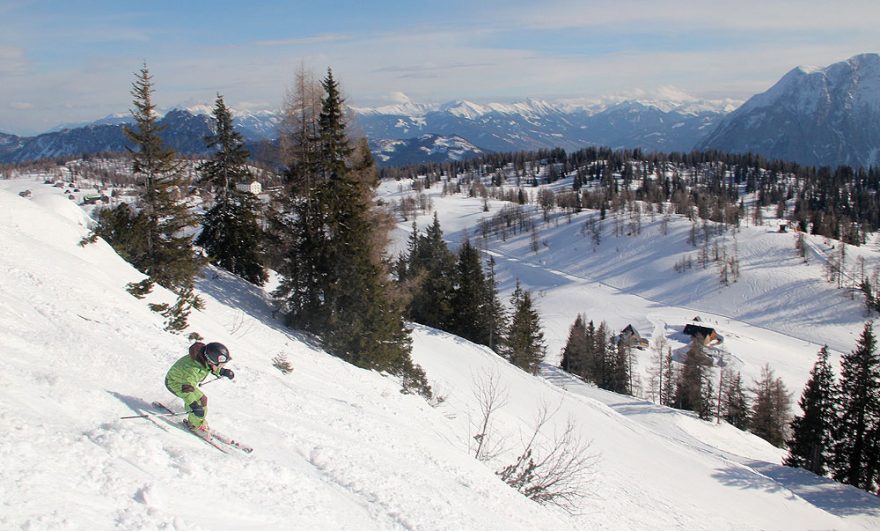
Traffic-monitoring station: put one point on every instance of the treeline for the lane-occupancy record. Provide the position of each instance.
(839, 203)
(838, 431)
(323, 234)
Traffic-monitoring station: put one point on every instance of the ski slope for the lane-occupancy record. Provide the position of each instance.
(336, 447)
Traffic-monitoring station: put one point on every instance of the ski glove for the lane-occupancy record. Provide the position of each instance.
(227, 373)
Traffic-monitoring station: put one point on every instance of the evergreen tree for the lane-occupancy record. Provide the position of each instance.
(525, 340)
(734, 404)
(600, 355)
(690, 392)
(771, 408)
(810, 443)
(431, 304)
(496, 316)
(153, 235)
(469, 318)
(574, 355)
(167, 256)
(298, 224)
(230, 232)
(343, 278)
(667, 392)
(857, 428)
(618, 367)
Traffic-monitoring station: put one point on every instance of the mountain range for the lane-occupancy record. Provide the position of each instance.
(816, 116)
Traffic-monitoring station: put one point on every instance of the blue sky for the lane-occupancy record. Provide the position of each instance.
(72, 61)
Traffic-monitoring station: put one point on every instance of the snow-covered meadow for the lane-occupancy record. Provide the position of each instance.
(338, 447)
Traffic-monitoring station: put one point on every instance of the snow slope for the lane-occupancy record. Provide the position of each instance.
(780, 310)
(336, 447)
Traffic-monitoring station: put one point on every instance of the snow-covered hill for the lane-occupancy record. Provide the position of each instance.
(338, 447)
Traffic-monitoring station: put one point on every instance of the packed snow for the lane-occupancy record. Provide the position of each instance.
(337, 447)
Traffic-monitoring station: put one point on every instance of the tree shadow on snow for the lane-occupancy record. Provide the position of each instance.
(823, 493)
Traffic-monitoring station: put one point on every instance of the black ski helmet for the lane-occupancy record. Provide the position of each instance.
(216, 353)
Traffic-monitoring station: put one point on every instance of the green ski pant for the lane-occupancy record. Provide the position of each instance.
(195, 403)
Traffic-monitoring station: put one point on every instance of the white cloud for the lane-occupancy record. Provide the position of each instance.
(12, 61)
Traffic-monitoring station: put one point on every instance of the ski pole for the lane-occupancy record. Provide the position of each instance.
(145, 415)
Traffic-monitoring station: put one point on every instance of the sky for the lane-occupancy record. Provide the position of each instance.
(68, 62)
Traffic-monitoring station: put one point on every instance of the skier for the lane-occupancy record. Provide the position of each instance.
(188, 372)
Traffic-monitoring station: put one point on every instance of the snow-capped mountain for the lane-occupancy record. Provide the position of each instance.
(425, 148)
(472, 127)
(818, 116)
(537, 124)
(183, 131)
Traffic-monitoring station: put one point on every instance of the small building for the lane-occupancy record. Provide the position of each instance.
(254, 187)
(708, 334)
(630, 337)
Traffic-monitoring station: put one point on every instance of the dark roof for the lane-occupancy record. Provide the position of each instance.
(696, 330)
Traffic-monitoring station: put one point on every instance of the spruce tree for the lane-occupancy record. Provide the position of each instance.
(496, 315)
(344, 279)
(431, 304)
(169, 257)
(154, 235)
(298, 222)
(600, 355)
(574, 355)
(667, 392)
(469, 318)
(690, 391)
(857, 428)
(525, 339)
(230, 233)
(734, 404)
(771, 408)
(811, 438)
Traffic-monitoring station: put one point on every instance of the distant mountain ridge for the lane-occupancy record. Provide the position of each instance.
(536, 124)
(816, 116)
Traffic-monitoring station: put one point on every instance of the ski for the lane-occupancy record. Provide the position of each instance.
(217, 440)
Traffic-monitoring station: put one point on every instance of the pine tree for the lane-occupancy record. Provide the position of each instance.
(230, 232)
(431, 304)
(496, 315)
(690, 389)
(667, 391)
(525, 340)
(856, 456)
(574, 355)
(618, 368)
(771, 408)
(469, 318)
(169, 257)
(810, 444)
(341, 276)
(600, 355)
(154, 234)
(734, 404)
(298, 223)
